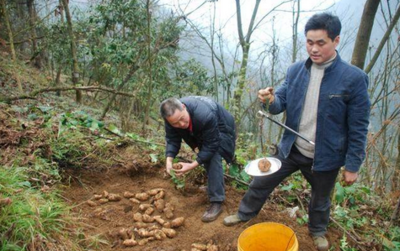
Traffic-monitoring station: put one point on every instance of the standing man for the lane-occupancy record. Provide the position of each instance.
(326, 100)
(206, 125)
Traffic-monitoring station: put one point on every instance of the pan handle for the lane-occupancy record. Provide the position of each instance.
(266, 115)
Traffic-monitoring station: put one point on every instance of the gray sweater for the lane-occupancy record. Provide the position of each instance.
(308, 122)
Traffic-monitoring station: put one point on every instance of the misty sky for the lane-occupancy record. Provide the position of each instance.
(225, 16)
(224, 13)
(349, 12)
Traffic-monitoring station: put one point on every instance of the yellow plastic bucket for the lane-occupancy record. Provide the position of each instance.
(268, 236)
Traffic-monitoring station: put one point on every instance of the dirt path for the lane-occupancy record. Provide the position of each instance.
(107, 219)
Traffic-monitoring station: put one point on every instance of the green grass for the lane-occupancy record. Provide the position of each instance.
(32, 214)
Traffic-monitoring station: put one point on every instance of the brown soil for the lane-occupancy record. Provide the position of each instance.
(190, 204)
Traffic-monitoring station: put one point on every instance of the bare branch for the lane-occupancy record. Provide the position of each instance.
(33, 94)
(383, 41)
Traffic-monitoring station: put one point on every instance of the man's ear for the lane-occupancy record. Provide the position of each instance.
(337, 40)
(184, 106)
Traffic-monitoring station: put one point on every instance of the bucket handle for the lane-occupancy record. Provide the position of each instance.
(287, 246)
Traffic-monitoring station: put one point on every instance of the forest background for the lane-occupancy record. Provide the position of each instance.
(125, 57)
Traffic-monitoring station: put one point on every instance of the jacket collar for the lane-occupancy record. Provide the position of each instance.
(308, 63)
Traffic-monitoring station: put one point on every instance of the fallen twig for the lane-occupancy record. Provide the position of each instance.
(33, 94)
(236, 179)
(396, 212)
(355, 239)
(136, 140)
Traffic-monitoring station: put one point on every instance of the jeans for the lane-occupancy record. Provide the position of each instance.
(215, 174)
(321, 183)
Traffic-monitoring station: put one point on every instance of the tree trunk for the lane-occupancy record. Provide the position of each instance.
(396, 211)
(58, 80)
(396, 176)
(150, 85)
(245, 45)
(11, 41)
(364, 33)
(132, 71)
(8, 26)
(296, 16)
(383, 41)
(75, 65)
(212, 35)
(32, 21)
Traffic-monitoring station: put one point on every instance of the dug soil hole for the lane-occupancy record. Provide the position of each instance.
(105, 218)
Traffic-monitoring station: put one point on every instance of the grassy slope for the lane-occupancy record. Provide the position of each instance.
(37, 139)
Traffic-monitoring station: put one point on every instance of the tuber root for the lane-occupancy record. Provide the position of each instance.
(177, 166)
(129, 243)
(98, 196)
(103, 201)
(140, 225)
(143, 242)
(114, 197)
(155, 191)
(143, 207)
(138, 217)
(264, 165)
(142, 196)
(169, 205)
(199, 246)
(149, 211)
(91, 203)
(168, 213)
(128, 195)
(134, 201)
(160, 205)
(159, 235)
(212, 248)
(159, 220)
(124, 234)
(169, 232)
(144, 233)
(177, 222)
(147, 218)
(160, 195)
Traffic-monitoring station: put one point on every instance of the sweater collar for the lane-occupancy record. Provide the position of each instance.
(309, 63)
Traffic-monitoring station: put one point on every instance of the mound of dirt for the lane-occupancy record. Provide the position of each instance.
(117, 215)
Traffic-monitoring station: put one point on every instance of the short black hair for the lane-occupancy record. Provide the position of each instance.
(324, 21)
(169, 106)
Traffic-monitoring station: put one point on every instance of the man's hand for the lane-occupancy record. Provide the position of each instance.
(186, 167)
(349, 177)
(267, 93)
(168, 165)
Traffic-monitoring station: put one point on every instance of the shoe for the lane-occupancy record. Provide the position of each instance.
(212, 213)
(321, 243)
(232, 220)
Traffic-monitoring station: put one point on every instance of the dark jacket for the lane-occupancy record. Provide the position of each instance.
(342, 118)
(213, 130)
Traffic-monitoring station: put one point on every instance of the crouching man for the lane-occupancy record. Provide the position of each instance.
(206, 125)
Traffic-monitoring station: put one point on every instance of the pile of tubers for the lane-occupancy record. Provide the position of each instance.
(104, 198)
(153, 218)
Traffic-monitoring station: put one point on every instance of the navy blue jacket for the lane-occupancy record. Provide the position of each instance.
(342, 118)
(213, 130)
